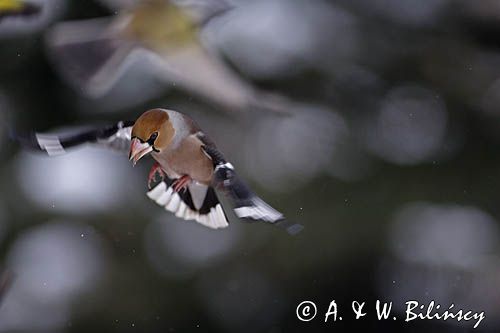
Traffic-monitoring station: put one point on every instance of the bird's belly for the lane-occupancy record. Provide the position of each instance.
(167, 169)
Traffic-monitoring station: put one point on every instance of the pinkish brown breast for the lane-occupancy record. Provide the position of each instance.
(187, 159)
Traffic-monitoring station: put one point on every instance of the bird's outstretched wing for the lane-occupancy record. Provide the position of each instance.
(246, 203)
(115, 136)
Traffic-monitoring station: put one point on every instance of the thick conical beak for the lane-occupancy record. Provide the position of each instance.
(138, 150)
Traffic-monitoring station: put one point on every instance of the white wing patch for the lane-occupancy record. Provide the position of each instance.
(171, 201)
(50, 143)
(259, 211)
(120, 140)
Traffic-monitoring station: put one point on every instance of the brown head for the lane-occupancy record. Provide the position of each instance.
(152, 131)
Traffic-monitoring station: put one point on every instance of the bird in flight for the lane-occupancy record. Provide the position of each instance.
(190, 168)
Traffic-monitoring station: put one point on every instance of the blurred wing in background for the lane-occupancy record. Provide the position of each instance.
(116, 137)
(90, 58)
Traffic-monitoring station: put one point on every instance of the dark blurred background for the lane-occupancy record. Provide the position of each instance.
(388, 157)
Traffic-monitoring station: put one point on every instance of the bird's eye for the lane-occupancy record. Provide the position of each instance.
(153, 136)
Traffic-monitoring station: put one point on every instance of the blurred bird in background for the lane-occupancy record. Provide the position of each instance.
(189, 164)
(94, 54)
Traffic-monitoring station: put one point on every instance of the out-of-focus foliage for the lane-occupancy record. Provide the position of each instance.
(388, 156)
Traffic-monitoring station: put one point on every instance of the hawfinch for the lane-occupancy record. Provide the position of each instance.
(187, 162)
(94, 54)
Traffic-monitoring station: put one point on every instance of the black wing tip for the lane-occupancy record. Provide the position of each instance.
(25, 139)
(126, 123)
(290, 227)
(217, 157)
